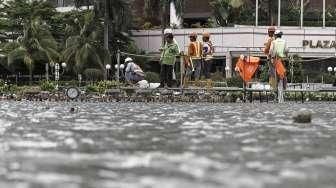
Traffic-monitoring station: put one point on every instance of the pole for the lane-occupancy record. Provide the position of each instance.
(181, 71)
(324, 15)
(279, 13)
(257, 13)
(47, 71)
(118, 68)
(301, 15)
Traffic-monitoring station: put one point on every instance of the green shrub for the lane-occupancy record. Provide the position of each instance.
(235, 82)
(47, 86)
(8, 88)
(152, 77)
(93, 74)
(2, 83)
(147, 26)
(105, 85)
(92, 89)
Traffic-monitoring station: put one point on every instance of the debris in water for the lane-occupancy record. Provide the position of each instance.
(302, 116)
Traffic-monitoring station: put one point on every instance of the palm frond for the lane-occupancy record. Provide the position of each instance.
(18, 53)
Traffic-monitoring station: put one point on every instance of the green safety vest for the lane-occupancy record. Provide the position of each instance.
(169, 53)
(279, 48)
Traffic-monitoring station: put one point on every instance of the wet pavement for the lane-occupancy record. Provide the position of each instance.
(140, 145)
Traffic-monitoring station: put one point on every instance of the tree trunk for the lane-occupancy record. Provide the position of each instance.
(106, 31)
(163, 27)
(106, 24)
(164, 19)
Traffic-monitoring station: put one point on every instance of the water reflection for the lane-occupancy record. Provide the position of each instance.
(165, 145)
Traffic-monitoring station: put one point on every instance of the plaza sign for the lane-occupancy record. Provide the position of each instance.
(325, 44)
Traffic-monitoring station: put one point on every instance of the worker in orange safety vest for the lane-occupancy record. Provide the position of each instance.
(195, 54)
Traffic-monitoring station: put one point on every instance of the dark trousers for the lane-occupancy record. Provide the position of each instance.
(207, 68)
(166, 75)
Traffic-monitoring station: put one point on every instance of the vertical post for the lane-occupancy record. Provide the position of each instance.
(279, 13)
(118, 68)
(47, 71)
(257, 12)
(57, 68)
(228, 65)
(79, 80)
(301, 15)
(324, 13)
(181, 71)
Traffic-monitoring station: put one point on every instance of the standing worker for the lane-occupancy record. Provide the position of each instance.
(168, 57)
(207, 52)
(267, 44)
(278, 52)
(195, 53)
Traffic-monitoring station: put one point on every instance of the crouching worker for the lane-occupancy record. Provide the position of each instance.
(168, 57)
(133, 72)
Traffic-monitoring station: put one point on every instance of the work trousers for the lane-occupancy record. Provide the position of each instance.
(207, 68)
(198, 68)
(166, 75)
(281, 91)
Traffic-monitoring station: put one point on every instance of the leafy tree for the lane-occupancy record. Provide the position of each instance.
(18, 13)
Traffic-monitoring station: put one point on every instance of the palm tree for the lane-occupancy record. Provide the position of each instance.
(84, 49)
(36, 41)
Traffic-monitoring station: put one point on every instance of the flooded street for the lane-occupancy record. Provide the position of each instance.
(138, 145)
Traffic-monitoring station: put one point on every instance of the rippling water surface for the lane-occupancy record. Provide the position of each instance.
(139, 145)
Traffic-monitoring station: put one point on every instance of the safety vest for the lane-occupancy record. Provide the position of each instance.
(208, 50)
(278, 48)
(267, 44)
(195, 50)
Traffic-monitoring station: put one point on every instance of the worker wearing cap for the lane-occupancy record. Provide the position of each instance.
(168, 57)
(267, 44)
(278, 52)
(279, 46)
(195, 53)
(133, 72)
(207, 53)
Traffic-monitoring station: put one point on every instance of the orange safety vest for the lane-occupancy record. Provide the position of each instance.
(195, 50)
(268, 45)
(248, 67)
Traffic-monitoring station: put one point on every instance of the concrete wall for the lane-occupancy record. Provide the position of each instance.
(244, 39)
